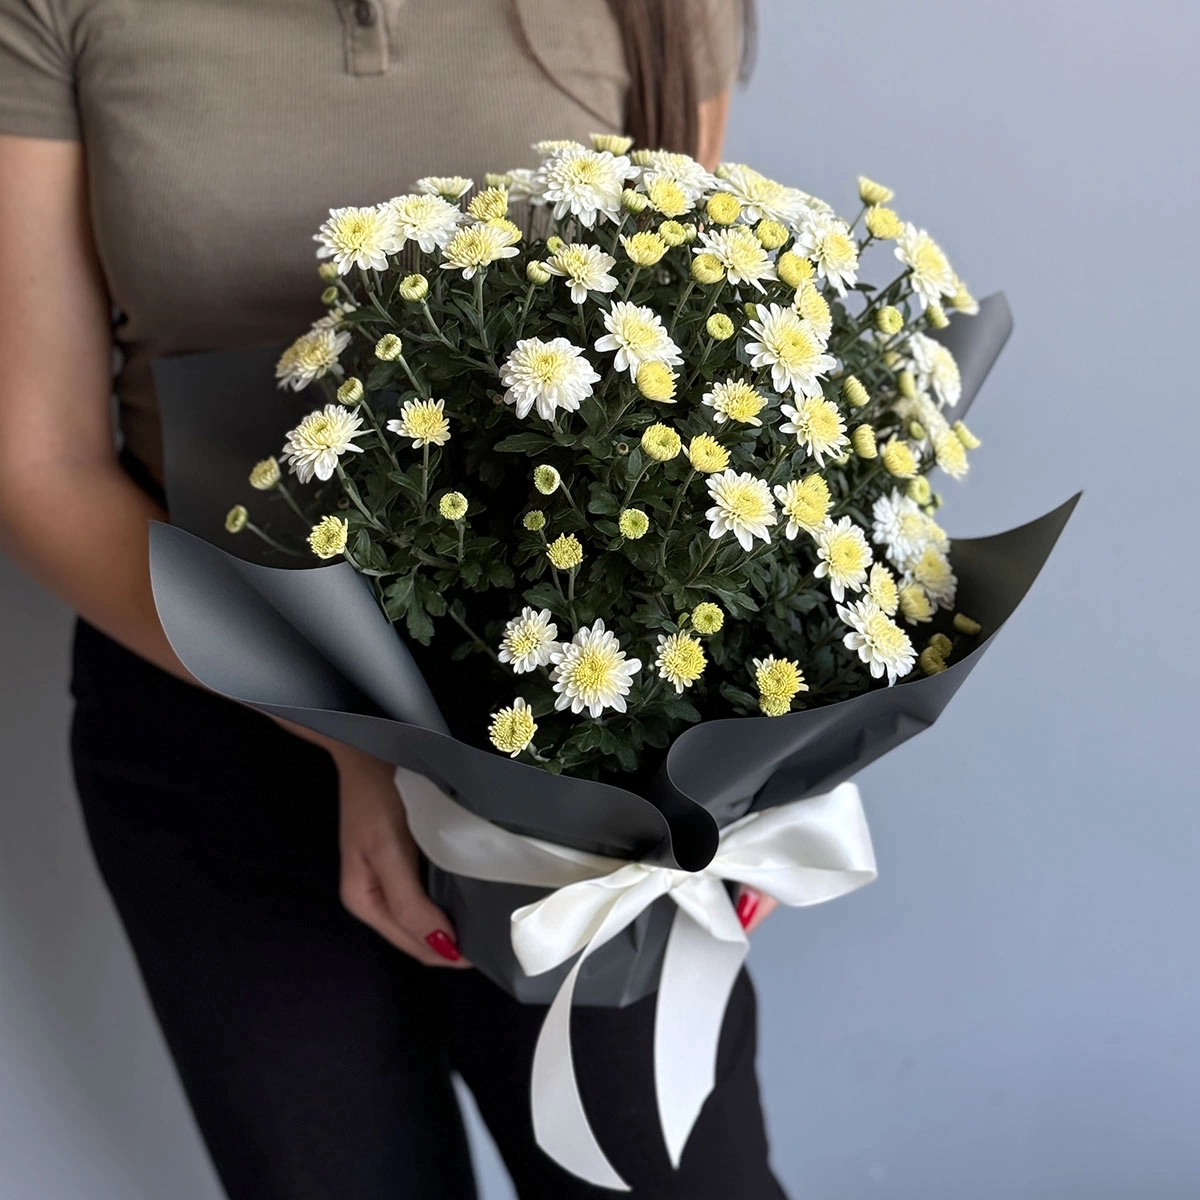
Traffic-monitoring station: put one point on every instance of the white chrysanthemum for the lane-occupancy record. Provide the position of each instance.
(818, 426)
(805, 503)
(924, 409)
(637, 334)
(929, 270)
(430, 221)
(680, 660)
(548, 146)
(933, 572)
(762, 197)
(529, 640)
(742, 505)
(900, 527)
(828, 242)
(936, 368)
(585, 183)
(591, 671)
(735, 400)
(845, 557)
(739, 252)
(424, 421)
(791, 347)
(585, 266)
(811, 304)
(550, 375)
(358, 237)
(318, 442)
(877, 639)
(311, 356)
(333, 318)
(479, 245)
(524, 183)
(450, 187)
(681, 169)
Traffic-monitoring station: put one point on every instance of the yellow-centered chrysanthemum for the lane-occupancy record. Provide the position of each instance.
(645, 248)
(449, 187)
(707, 618)
(592, 671)
(742, 505)
(424, 421)
(490, 205)
(814, 308)
(950, 454)
(791, 347)
(930, 272)
(265, 475)
(328, 537)
(818, 426)
(666, 196)
(793, 269)
(881, 587)
(656, 381)
(318, 442)
(311, 356)
(844, 557)
(805, 503)
(453, 506)
(898, 460)
(871, 192)
(633, 523)
(661, 442)
(877, 640)
(914, 604)
(680, 660)
(779, 681)
(565, 552)
(587, 267)
(476, 246)
(735, 400)
(358, 237)
(706, 454)
(882, 223)
(512, 729)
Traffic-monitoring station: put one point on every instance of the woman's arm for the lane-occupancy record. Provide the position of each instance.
(714, 115)
(74, 520)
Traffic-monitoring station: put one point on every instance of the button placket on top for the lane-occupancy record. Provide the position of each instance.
(365, 27)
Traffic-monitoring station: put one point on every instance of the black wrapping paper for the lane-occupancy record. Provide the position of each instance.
(311, 644)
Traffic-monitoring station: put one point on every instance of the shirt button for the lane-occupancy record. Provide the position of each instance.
(364, 12)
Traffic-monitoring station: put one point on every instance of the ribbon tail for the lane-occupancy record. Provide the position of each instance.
(698, 974)
(560, 1125)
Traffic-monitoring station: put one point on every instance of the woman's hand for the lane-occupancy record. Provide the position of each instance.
(753, 908)
(381, 875)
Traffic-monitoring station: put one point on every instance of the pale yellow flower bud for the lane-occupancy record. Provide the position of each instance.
(707, 618)
(771, 234)
(661, 442)
(413, 288)
(964, 435)
(863, 441)
(935, 314)
(962, 301)
(882, 223)
(328, 537)
(907, 385)
(898, 460)
(918, 489)
(916, 431)
(941, 645)
(546, 479)
(930, 662)
(389, 348)
(751, 310)
(914, 603)
(327, 272)
(554, 244)
(793, 269)
(854, 393)
(534, 520)
(965, 624)
(719, 327)
(565, 552)
(329, 296)
(350, 392)
(656, 381)
(453, 506)
(706, 268)
(706, 454)
(633, 523)
(492, 179)
(889, 320)
(634, 202)
(645, 248)
(723, 208)
(672, 233)
(236, 518)
(690, 232)
(871, 192)
(265, 475)
(614, 143)
(537, 272)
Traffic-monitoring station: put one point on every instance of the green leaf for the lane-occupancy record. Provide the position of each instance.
(523, 443)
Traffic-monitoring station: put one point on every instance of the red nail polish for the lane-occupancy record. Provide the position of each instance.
(442, 943)
(747, 906)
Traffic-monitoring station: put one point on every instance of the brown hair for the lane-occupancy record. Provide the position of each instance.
(661, 38)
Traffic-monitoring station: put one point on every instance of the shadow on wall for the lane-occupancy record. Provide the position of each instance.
(90, 1104)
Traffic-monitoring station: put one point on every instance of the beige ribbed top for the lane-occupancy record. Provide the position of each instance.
(220, 132)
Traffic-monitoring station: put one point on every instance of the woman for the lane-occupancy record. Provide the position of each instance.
(162, 167)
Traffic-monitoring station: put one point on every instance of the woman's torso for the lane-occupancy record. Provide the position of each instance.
(220, 132)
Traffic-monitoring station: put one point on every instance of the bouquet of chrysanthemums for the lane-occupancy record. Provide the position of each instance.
(638, 463)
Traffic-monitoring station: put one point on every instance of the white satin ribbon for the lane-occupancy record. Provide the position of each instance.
(802, 853)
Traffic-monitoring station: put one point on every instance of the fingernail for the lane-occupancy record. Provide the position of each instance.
(747, 906)
(442, 943)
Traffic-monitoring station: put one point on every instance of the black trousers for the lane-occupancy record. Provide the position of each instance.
(316, 1058)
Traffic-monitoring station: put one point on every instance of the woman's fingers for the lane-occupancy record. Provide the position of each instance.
(753, 908)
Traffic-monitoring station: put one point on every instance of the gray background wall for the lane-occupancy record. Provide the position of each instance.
(1013, 1010)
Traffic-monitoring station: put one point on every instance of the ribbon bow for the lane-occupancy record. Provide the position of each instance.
(801, 853)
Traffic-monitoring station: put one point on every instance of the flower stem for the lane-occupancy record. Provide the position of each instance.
(475, 638)
(283, 489)
(266, 537)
